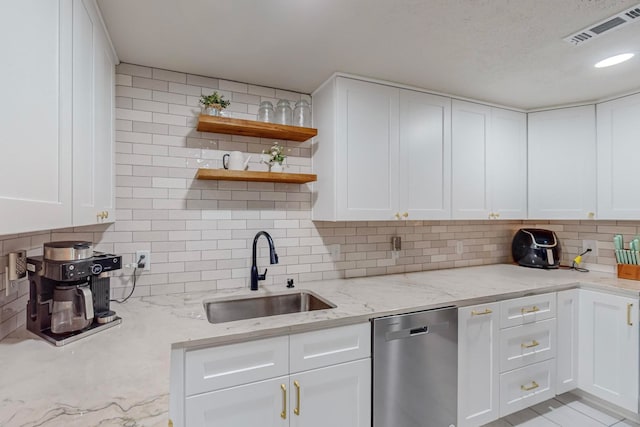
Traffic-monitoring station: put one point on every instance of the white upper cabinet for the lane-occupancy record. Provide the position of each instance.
(618, 158)
(489, 159)
(56, 168)
(425, 155)
(367, 152)
(470, 128)
(507, 164)
(382, 153)
(562, 163)
(35, 115)
(93, 120)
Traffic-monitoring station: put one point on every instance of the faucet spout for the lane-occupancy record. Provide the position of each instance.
(273, 259)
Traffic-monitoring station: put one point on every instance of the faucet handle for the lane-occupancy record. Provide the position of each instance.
(263, 276)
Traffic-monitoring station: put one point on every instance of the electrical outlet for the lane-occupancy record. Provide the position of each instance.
(590, 244)
(146, 260)
(459, 247)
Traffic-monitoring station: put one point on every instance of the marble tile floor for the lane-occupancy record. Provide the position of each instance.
(566, 410)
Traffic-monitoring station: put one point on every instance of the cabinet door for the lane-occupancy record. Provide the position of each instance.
(478, 380)
(425, 155)
(567, 341)
(256, 404)
(562, 164)
(608, 345)
(367, 150)
(618, 158)
(93, 97)
(339, 395)
(507, 164)
(35, 112)
(469, 131)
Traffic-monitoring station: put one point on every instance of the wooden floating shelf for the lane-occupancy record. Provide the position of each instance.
(254, 176)
(253, 128)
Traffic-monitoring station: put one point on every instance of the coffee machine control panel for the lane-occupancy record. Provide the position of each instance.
(67, 271)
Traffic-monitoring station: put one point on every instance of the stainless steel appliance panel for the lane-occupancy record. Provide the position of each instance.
(415, 369)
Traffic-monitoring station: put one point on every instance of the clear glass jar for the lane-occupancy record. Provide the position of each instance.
(266, 113)
(284, 113)
(302, 114)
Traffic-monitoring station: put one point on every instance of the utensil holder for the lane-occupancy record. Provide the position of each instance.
(629, 271)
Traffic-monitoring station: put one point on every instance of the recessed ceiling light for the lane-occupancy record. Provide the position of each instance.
(614, 60)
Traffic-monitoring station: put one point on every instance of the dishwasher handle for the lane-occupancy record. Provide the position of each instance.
(414, 332)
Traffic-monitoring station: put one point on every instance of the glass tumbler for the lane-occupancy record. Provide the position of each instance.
(302, 114)
(284, 113)
(266, 113)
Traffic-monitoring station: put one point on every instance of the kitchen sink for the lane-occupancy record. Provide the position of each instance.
(227, 310)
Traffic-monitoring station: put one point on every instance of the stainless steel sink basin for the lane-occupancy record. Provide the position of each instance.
(249, 307)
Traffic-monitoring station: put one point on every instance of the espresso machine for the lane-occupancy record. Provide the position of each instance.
(69, 292)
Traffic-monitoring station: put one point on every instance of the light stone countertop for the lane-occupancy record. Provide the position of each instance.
(120, 376)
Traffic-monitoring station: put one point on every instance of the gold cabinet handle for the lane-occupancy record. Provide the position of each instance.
(629, 322)
(534, 343)
(296, 410)
(497, 215)
(591, 215)
(283, 414)
(534, 385)
(106, 214)
(397, 215)
(405, 215)
(530, 310)
(480, 313)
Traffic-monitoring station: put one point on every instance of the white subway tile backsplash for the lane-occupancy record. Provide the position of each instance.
(170, 76)
(133, 92)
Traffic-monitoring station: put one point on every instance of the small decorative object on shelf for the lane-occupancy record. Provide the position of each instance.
(274, 157)
(214, 104)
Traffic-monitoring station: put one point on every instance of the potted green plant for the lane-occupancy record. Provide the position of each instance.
(214, 104)
(274, 157)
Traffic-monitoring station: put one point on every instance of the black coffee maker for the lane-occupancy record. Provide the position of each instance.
(69, 292)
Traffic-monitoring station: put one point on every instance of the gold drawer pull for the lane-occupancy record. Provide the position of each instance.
(296, 410)
(283, 414)
(534, 343)
(629, 322)
(480, 313)
(530, 310)
(534, 385)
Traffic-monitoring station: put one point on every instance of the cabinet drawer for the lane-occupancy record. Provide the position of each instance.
(527, 344)
(231, 365)
(520, 311)
(526, 386)
(316, 349)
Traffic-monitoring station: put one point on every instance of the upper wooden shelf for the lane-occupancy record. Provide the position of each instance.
(255, 176)
(231, 126)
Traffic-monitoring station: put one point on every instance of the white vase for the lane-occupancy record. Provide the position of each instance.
(276, 167)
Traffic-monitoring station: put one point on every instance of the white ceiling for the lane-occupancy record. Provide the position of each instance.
(508, 52)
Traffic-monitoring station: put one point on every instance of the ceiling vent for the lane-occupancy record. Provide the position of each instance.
(612, 23)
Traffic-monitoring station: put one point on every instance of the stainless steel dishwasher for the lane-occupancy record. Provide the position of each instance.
(415, 369)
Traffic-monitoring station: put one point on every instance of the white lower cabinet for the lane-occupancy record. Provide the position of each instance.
(567, 341)
(478, 355)
(338, 395)
(261, 403)
(311, 379)
(608, 348)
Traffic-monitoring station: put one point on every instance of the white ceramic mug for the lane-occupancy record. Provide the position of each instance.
(235, 161)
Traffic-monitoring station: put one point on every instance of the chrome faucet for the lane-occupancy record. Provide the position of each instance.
(273, 258)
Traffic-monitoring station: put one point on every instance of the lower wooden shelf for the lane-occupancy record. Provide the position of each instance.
(254, 176)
